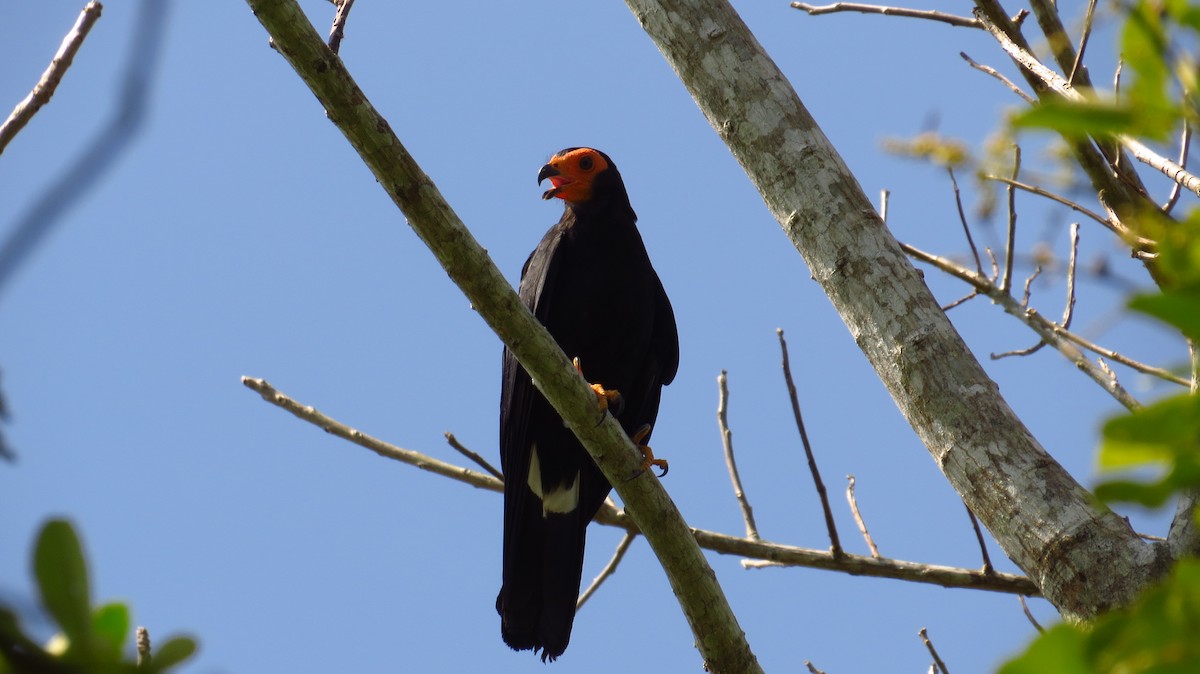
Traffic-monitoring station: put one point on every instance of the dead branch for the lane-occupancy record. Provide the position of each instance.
(48, 84)
(773, 554)
(835, 546)
(608, 570)
(730, 463)
(858, 519)
(953, 20)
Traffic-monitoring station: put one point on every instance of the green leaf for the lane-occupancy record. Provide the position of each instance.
(1180, 308)
(1150, 495)
(1060, 650)
(63, 581)
(110, 624)
(172, 652)
(1158, 434)
(1076, 119)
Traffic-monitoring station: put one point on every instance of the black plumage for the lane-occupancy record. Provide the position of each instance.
(590, 282)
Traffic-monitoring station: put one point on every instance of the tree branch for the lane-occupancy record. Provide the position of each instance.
(730, 462)
(1069, 546)
(720, 640)
(45, 88)
(772, 554)
(943, 17)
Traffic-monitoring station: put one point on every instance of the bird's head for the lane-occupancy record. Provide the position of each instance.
(580, 174)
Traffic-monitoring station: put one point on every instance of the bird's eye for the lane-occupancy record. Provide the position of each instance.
(586, 163)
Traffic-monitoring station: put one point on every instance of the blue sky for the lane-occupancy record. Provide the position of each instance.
(241, 235)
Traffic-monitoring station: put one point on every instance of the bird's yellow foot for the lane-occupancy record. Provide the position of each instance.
(609, 399)
(647, 453)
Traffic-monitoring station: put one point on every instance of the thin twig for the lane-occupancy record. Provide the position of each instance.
(144, 657)
(757, 553)
(1058, 84)
(1027, 351)
(858, 519)
(1010, 241)
(1176, 188)
(479, 460)
(812, 669)
(835, 546)
(995, 73)
(1055, 197)
(969, 296)
(608, 569)
(48, 84)
(1045, 329)
(101, 152)
(962, 217)
(338, 30)
(1069, 310)
(730, 463)
(933, 651)
(953, 20)
(1029, 285)
(1083, 40)
(1029, 614)
(987, 560)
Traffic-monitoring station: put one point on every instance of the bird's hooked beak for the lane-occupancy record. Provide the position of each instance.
(556, 179)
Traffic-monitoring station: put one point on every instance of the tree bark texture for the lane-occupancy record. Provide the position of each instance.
(1083, 557)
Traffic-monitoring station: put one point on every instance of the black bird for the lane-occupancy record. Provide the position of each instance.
(590, 282)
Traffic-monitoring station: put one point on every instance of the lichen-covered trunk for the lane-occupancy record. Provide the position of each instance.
(1084, 558)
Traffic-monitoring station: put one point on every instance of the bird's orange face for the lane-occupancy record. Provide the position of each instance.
(572, 172)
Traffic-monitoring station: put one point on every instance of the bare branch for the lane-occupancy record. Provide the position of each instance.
(995, 73)
(338, 30)
(812, 669)
(969, 296)
(1069, 310)
(953, 20)
(773, 554)
(730, 463)
(1176, 188)
(858, 519)
(1029, 285)
(1029, 614)
(45, 88)
(479, 460)
(1083, 40)
(102, 151)
(835, 546)
(1056, 197)
(1056, 83)
(987, 560)
(932, 651)
(962, 217)
(608, 569)
(1047, 330)
(333, 427)
(1010, 241)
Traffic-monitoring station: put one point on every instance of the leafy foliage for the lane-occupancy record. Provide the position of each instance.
(92, 639)
(1157, 634)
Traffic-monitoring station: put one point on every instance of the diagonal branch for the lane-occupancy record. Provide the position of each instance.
(45, 88)
(723, 645)
(974, 437)
(773, 554)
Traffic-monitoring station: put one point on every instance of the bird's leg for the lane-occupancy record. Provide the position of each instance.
(647, 454)
(608, 398)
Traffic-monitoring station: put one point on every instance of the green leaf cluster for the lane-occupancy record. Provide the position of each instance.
(1158, 634)
(91, 639)
(1156, 91)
